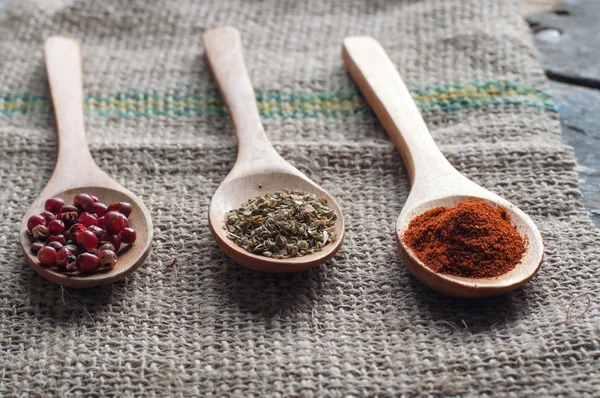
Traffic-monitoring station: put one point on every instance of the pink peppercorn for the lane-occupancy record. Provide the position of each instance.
(40, 232)
(56, 227)
(128, 235)
(69, 209)
(112, 239)
(87, 219)
(96, 230)
(114, 222)
(87, 262)
(48, 216)
(99, 209)
(107, 258)
(122, 207)
(36, 246)
(83, 200)
(63, 257)
(46, 255)
(53, 205)
(60, 238)
(35, 220)
(87, 240)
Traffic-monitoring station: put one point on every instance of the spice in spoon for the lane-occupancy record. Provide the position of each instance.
(472, 239)
(282, 224)
(81, 238)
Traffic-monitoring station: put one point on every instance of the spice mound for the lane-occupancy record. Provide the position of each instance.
(80, 238)
(282, 224)
(472, 239)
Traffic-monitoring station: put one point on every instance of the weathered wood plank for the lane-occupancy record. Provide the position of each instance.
(573, 55)
(579, 109)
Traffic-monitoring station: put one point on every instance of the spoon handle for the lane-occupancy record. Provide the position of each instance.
(223, 48)
(63, 65)
(381, 84)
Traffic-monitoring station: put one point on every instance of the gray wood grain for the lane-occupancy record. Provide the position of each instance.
(579, 109)
(568, 45)
(573, 55)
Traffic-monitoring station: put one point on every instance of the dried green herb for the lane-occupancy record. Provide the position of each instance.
(282, 224)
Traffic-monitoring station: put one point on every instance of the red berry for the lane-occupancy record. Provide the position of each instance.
(73, 249)
(112, 239)
(96, 230)
(122, 207)
(36, 246)
(46, 255)
(69, 218)
(94, 198)
(114, 222)
(88, 262)
(83, 200)
(63, 257)
(76, 228)
(128, 235)
(107, 258)
(60, 238)
(48, 216)
(87, 219)
(39, 232)
(55, 245)
(69, 209)
(87, 239)
(53, 205)
(106, 246)
(35, 220)
(99, 209)
(56, 227)
(101, 222)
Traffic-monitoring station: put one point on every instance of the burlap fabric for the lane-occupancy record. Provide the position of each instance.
(360, 325)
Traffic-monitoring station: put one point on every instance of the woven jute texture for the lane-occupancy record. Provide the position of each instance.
(360, 325)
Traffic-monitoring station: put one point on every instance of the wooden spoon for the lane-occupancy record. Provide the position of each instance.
(434, 181)
(259, 169)
(76, 171)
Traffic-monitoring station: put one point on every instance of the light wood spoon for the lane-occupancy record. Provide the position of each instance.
(434, 181)
(76, 171)
(259, 169)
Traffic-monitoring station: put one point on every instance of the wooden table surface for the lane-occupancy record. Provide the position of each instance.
(567, 37)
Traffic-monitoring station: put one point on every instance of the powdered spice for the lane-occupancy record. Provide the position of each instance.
(472, 239)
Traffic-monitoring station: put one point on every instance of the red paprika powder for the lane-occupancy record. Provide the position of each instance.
(472, 239)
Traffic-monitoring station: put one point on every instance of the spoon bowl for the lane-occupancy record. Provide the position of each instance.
(259, 169)
(473, 287)
(236, 191)
(435, 182)
(130, 256)
(76, 172)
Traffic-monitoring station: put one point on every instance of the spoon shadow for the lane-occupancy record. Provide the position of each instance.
(273, 294)
(60, 305)
(465, 315)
